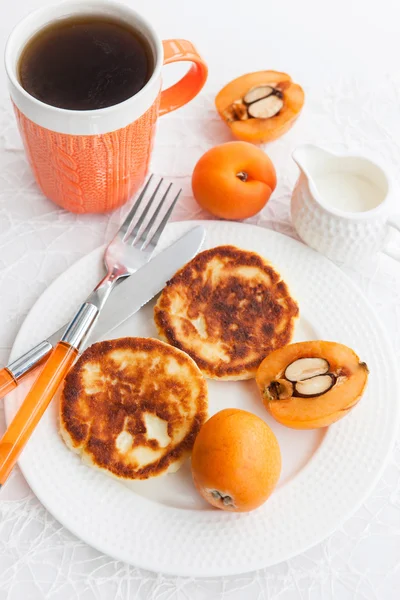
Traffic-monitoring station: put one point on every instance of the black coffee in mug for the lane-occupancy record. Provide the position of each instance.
(85, 63)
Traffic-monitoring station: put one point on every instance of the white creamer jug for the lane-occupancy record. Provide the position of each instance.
(341, 205)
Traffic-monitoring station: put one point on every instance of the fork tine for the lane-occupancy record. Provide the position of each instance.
(151, 222)
(123, 230)
(157, 234)
(132, 236)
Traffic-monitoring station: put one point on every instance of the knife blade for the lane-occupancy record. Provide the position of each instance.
(131, 295)
(127, 298)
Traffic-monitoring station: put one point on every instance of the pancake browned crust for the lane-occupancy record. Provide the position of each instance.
(227, 308)
(132, 407)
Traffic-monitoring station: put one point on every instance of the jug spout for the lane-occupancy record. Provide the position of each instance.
(310, 159)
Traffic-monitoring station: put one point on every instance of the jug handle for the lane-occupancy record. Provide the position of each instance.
(394, 223)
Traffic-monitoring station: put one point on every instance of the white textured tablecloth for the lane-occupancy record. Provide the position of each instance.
(346, 55)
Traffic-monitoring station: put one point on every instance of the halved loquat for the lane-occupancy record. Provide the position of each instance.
(236, 460)
(260, 107)
(311, 384)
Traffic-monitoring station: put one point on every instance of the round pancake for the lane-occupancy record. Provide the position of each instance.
(227, 308)
(132, 407)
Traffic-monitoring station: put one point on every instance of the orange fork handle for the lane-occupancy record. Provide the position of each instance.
(33, 407)
(7, 382)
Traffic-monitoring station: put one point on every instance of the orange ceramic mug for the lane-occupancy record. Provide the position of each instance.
(95, 160)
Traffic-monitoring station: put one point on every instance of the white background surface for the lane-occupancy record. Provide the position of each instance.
(346, 56)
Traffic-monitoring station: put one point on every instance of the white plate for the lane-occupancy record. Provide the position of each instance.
(162, 524)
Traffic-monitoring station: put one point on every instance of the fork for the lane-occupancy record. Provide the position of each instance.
(130, 249)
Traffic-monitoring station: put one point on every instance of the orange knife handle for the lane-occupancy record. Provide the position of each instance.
(26, 363)
(34, 405)
(7, 382)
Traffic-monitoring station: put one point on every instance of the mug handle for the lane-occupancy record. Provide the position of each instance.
(394, 222)
(190, 85)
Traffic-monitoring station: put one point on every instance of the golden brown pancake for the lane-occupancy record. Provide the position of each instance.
(132, 407)
(227, 308)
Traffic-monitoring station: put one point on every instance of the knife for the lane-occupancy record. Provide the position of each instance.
(118, 256)
(126, 299)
